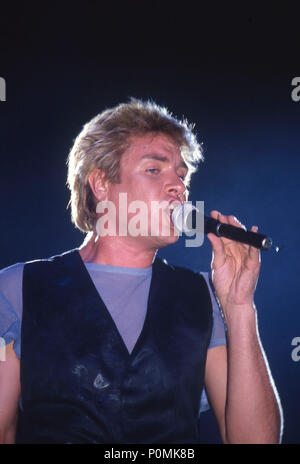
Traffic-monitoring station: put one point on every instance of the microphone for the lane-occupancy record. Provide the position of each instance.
(184, 219)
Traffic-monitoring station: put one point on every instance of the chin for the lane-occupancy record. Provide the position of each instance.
(163, 241)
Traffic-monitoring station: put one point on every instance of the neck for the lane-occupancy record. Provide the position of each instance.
(115, 251)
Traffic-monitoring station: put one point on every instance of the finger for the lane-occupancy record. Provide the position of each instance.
(254, 253)
(219, 216)
(233, 220)
(216, 242)
(219, 255)
(214, 214)
(219, 246)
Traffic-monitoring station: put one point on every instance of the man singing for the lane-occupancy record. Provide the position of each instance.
(106, 343)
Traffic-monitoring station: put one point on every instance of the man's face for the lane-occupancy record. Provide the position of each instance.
(151, 170)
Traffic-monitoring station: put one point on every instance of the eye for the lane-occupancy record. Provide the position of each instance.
(152, 170)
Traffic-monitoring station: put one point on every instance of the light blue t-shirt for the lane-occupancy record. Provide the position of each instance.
(123, 290)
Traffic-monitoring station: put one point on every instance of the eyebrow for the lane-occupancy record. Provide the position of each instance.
(163, 159)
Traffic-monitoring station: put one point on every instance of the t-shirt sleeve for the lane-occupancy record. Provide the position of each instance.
(218, 337)
(11, 306)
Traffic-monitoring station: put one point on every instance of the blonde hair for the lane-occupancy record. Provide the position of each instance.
(104, 139)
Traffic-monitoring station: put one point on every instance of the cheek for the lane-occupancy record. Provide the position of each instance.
(140, 187)
(143, 188)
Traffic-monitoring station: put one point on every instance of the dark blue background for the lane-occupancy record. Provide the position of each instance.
(227, 70)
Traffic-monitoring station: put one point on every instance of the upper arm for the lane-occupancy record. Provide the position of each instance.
(10, 390)
(216, 384)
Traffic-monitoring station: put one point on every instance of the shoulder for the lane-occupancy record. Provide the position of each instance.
(38, 265)
(11, 276)
(11, 283)
(55, 271)
(11, 305)
(51, 259)
(11, 272)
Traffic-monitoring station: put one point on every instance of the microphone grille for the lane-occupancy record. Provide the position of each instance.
(181, 215)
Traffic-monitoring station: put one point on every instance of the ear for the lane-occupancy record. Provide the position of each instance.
(98, 184)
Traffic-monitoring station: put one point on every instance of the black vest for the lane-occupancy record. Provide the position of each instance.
(80, 384)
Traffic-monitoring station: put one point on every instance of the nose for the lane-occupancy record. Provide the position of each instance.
(176, 188)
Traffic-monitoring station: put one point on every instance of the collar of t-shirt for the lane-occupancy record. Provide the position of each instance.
(124, 291)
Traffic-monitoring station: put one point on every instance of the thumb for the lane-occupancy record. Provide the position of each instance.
(219, 255)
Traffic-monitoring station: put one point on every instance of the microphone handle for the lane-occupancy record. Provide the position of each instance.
(236, 233)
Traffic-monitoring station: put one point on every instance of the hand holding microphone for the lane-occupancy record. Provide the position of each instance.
(184, 219)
